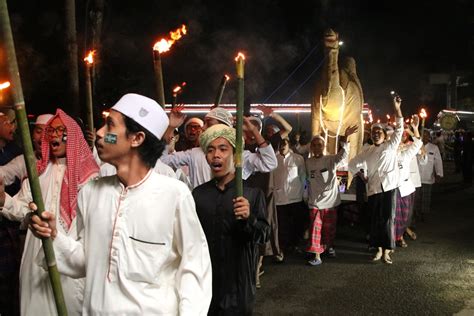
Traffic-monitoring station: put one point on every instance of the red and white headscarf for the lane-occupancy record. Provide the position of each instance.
(80, 165)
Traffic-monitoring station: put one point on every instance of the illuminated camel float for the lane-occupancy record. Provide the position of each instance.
(338, 99)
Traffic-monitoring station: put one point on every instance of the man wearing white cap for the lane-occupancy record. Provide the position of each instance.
(141, 249)
(199, 171)
(381, 161)
(192, 130)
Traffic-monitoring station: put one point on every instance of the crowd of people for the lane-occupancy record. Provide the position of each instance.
(147, 221)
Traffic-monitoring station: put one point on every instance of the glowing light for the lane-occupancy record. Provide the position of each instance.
(227, 77)
(240, 56)
(105, 114)
(90, 57)
(423, 113)
(164, 45)
(341, 43)
(4, 85)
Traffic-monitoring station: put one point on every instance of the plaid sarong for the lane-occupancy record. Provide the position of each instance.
(402, 213)
(322, 229)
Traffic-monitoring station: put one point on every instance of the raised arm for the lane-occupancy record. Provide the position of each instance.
(268, 112)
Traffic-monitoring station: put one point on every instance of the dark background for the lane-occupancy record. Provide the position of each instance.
(396, 44)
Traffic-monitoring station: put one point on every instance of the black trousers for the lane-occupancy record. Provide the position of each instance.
(292, 222)
(382, 226)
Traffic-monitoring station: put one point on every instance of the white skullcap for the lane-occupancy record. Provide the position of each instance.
(43, 119)
(377, 125)
(145, 112)
(222, 115)
(194, 120)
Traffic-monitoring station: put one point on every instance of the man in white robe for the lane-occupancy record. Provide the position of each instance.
(141, 248)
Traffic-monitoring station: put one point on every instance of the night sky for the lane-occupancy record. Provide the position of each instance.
(396, 44)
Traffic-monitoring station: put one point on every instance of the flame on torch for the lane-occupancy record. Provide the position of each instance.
(164, 44)
(4, 85)
(105, 114)
(423, 114)
(176, 90)
(388, 117)
(240, 56)
(90, 57)
(227, 77)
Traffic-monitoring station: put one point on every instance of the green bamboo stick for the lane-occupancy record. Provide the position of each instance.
(30, 159)
(240, 63)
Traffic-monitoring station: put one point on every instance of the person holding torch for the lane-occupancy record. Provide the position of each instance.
(233, 225)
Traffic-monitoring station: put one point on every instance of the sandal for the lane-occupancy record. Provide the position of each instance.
(411, 234)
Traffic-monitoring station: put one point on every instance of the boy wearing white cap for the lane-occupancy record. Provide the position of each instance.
(141, 249)
(324, 196)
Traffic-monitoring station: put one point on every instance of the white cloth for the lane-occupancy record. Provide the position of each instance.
(323, 185)
(431, 164)
(199, 171)
(107, 169)
(405, 158)
(141, 249)
(381, 163)
(16, 168)
(35, 289)
(289, 179)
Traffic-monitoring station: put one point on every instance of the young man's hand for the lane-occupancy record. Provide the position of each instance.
(44, 227)
(241, 207)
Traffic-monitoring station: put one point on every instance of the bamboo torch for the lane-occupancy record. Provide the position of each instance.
(220, 92)
(423, 116)
(89, 110)
(240, 63)
(30, 160)
(176, 91)
(160, 47)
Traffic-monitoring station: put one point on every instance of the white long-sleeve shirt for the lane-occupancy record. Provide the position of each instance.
(289, 178)
(381, 163)
(199, 171)
(431, 164)
(35, 289)
(16, 168)
(323, 185)
(141, 249)
(405, 158)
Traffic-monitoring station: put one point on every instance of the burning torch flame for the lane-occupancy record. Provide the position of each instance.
(105, 114)
(164, 45)
(90, 57)
(227, 78)
(388, 117)
(423, 114)
(240, 56)
(378, 121)
(177, 89)
(4, 85)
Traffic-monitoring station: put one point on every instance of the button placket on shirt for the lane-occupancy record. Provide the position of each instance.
(117, 229)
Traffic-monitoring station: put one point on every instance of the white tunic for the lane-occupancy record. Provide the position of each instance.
(323, 185)
(405, 158)
(141, 249)
(35, 288)
(381, 163)
(16, 168)
(200, 172)
(289, 179)
(431, 165)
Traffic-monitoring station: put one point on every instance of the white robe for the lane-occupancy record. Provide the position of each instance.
(141, 249)
(36, 294)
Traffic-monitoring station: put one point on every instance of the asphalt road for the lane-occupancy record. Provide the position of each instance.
(434, 275)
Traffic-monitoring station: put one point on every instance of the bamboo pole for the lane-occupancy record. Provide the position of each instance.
(89, 108)
(220, 91)
(30, 160)
(240, 63)
(160, 89)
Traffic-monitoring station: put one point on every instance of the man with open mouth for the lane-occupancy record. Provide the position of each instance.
(66, 166)
(141, 249)
(233, 226)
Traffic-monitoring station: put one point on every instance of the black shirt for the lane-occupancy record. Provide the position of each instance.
(232, 245)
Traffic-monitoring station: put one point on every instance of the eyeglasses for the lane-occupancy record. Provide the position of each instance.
(60, 130)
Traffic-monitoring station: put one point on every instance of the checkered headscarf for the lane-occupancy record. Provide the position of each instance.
(80, 165)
